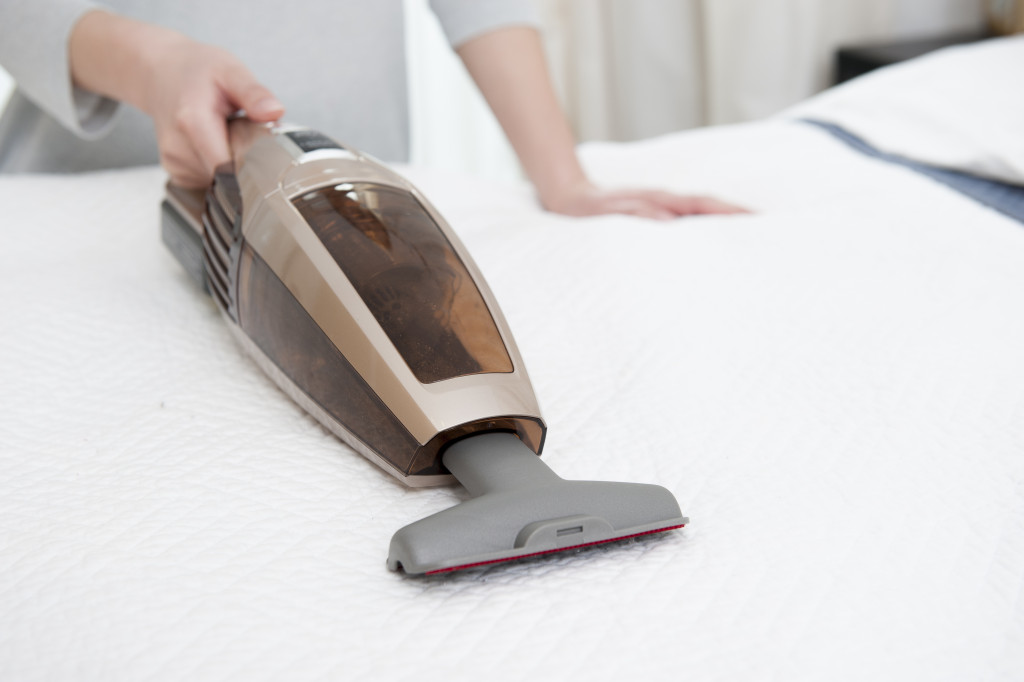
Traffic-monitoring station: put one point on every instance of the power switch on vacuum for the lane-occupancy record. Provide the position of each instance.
(311, 140)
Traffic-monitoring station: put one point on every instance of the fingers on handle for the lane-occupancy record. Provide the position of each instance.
(205, 126)
(245, 92)
(184, 165)
(205, 131)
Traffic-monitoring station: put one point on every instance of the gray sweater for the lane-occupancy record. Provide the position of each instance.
(337, 65)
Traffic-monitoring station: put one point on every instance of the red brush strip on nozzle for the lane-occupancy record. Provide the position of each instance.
(552, 551)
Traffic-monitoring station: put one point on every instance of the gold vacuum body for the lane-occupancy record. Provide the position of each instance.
(354, 295)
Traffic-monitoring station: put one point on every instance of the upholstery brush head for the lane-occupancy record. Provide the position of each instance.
(520, 509)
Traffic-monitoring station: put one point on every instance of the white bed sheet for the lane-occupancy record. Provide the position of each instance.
(833, 388)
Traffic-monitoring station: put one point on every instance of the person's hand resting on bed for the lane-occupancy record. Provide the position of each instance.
(190, 89)
(587, 199)
(509, 68)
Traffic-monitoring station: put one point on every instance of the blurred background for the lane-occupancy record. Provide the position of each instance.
(631, 69)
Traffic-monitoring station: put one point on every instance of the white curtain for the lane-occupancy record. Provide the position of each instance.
(763, 55)
(629, 69)
(451, 126)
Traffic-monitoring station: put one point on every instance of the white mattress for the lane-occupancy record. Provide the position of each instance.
(833, 387)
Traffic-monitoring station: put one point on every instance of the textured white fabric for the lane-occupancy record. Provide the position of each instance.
(960, 108)
(832, 387)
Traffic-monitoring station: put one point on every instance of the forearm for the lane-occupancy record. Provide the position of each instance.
(114, 56)
(508, 66)
(188, 88)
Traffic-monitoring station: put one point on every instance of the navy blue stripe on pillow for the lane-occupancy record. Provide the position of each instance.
(1001, 196)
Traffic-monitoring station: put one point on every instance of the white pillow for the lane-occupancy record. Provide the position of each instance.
(960, 108)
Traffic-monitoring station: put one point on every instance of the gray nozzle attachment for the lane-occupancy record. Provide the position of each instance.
(521, 508)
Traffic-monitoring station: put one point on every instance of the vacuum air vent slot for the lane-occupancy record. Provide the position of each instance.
(217, 286)
(221, 224)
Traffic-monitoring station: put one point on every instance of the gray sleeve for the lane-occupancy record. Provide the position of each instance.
(34, 50)
(466, 19)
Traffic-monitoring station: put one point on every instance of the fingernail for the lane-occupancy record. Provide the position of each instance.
(267, 105)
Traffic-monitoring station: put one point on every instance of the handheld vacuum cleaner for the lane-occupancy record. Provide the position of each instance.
(355, 296)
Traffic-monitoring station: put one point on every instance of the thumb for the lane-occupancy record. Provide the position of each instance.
(245, 92)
